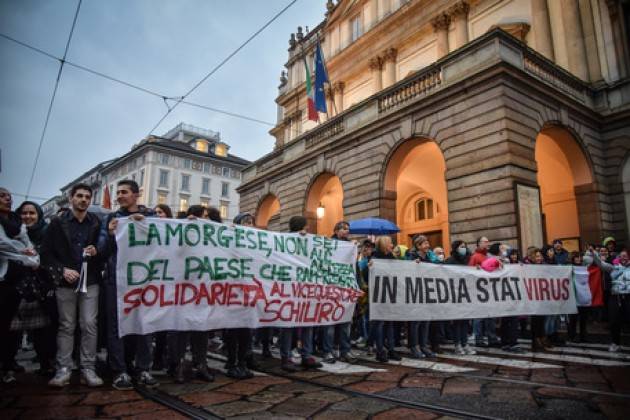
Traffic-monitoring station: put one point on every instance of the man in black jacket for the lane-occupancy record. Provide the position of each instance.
(68, 253)
(127, 192)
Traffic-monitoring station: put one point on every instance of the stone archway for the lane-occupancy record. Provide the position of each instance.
(415, 194)
(268, 209)
(326, 191)
(567, 191)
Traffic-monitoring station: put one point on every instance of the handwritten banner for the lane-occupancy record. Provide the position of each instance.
(406, 291)
(199, 275)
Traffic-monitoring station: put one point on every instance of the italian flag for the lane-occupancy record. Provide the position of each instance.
(310, 95)
(588, 285)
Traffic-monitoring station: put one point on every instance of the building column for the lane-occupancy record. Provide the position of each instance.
(459, 17)
(542, 28)
(389, 71)
(576, 51)
(376, 64)
(440, 26)
(621, 50)
(338, 89)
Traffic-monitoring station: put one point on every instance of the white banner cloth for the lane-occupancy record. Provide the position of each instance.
(199, 275)
(407, 291)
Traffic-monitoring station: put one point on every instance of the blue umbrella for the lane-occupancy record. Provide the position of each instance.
(373, 226)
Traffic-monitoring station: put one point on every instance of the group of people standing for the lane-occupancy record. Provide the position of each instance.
(58, 279)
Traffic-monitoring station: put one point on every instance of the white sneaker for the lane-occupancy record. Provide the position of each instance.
(459, 350)
(469, 350)
(90, 378)
(9, 377)
(62, 378)
(613, 348)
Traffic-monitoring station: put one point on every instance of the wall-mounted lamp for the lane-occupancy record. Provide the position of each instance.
(320, 211)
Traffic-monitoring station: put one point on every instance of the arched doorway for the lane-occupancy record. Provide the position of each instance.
(268, 209)
(414, 178)
(325, 193)
(567, 194)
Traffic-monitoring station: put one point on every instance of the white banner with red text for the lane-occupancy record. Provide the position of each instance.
(196, 275)
(408, 291)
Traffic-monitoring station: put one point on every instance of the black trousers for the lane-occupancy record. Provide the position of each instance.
(618, 312)
(581, 317)
(538, 326)
(509, 331)
(9, 302)
(237, 341)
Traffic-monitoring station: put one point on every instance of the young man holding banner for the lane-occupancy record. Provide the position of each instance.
(127, 193)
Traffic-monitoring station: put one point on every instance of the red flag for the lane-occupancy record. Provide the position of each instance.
(107, 200)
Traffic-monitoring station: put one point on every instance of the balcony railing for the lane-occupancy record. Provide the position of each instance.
(495, 47)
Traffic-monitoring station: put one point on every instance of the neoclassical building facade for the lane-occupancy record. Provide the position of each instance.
(456, 119)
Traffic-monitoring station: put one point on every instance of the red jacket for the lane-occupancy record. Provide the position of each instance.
(478, 257)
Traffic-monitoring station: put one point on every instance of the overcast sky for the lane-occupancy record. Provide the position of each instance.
(163, 45)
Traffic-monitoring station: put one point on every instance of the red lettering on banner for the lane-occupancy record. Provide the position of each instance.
(150, 301)
(132, 297)
(555, 289)
(544, 289)
(193, 289)
(277, 289)
(162, 296)
(203, 293)
(528, 288)
(565, 289)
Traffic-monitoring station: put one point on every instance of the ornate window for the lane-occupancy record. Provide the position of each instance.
(425, 209)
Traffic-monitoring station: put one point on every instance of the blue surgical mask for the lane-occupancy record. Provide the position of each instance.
(462, 251)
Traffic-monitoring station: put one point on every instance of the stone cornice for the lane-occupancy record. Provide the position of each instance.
(390, 54)
(459, 9)
(441, 22)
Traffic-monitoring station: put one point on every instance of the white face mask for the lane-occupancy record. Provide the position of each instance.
(587, 260)
(440, 257)
(462, 251)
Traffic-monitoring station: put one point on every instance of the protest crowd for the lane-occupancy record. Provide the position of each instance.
(58, 288)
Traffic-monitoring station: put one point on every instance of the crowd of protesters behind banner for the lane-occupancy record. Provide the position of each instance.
(42, 263)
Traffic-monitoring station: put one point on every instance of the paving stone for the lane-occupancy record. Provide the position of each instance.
(243, 388)
(585, 375)
(594, 386)
(328, 396)
(336, 380)
(179, 389)
(404, 413)
(362, 405)
(614, 411)
(340, 415)
(109, 397)
(269, 397)
(561, 393)
(238, 408)
(267, 380)
(309, 374)
(548, 378)
(371, 387)
(385, 376)
(266, 415)
(460, 386)
(59, 400)
(203, 399)
(300, 406)
(71, 412)
(297, 387)
(509, 395)
(131, 408)
(157, 415)
(422, 381)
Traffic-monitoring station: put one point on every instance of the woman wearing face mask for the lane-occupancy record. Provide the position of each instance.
(539, 338)
(419, 330)
(619, 303)
(37, 311)
(460, 256)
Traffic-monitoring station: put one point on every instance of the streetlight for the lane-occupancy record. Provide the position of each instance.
(320, 211)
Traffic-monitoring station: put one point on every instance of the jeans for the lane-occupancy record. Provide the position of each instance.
(551, 324)
(423, 337)
(87, 303)
(460, 332)
(115, 344)
(344, 338)
(286, 341)
(380, 329)
(486, 326)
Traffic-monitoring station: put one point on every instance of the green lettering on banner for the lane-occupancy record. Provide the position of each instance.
(217, 268)
(239, 237)
(195, 238)
(224, 241)
(208, 231)
(174, 231)
(263, 245)
(150, 272)
(132, 237)
(153, 234)
(251, 238)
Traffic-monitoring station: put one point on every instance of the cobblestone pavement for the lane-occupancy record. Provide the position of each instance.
(571, 382)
